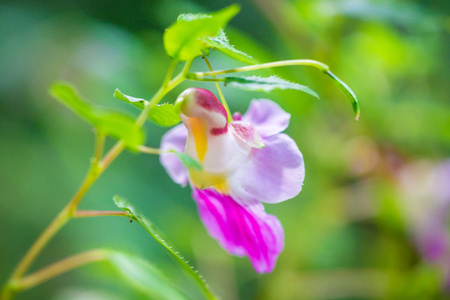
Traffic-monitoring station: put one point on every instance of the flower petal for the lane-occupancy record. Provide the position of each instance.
(241, 230)
(246, 133)
(432, 236)
(174, 139)
(271, 174)
(267, 117)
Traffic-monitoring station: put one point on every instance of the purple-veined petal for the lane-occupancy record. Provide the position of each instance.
(241, 230)
(271, 174)
(267, 117)
(174, 139)
(246, 133)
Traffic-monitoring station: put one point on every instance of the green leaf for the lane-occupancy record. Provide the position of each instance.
(166, 115)
(143, 276)
(159, 236)
(107, 121)
(221, 43)
(255, 83)
(68, 96)
(186, 39)
(138, 102)
(188, 161)
(349, 92)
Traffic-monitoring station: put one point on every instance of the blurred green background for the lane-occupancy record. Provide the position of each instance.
(360, 229)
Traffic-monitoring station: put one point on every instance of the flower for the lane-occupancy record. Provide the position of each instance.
(426, 193)
(244, 163)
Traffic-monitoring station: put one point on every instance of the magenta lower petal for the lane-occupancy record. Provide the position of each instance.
(241, 230)
(175, 139)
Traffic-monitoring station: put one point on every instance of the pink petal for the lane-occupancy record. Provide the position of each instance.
(246, 133)
(267, 117)
(201, 103)
(241, 230)
(271, 174)
(174, 139)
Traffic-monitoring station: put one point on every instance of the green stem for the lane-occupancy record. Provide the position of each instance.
(54, 226)
(206, 79)
(149, 150)
(96, 169)
(284, 63)
(59, 268)
(100, 213)
(222, 98)
(99, 145)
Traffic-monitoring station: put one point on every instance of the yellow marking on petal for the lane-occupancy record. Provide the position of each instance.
(199, 131)
(203, 179)
(222, 187)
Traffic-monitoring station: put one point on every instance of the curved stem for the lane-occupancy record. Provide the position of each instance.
(96, 169)
(284, 63)
(222, 98)
(59, 268)
(60, 220)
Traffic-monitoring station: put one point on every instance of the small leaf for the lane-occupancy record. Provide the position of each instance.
(165, 115)
(138, 102)
(107, 121)
(67, 95)
(221, 43)
(143, 276)
(121, 127)
(188, 161)
(266, 84)
(185, 39)
(158, 236)
(349, 92)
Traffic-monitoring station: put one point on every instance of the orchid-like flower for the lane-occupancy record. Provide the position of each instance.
(244, 162)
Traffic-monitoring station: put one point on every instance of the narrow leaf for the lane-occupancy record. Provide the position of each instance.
(165, 115)
(185, 39)
(349, 92)
(266, 84)
(111, 123)
(188, 161)
(138, 102)
(158, 236)
(144, 276)
(221, 43)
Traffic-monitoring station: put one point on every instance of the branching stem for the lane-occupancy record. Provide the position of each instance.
(59, 268)
(97, 167)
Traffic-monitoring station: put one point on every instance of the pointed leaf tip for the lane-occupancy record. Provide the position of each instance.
(123, 204)
(348, 91)
(112, 123)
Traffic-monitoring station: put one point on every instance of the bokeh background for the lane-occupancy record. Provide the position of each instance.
(371, 221)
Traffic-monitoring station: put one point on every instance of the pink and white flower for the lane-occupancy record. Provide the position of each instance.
(245, 162)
